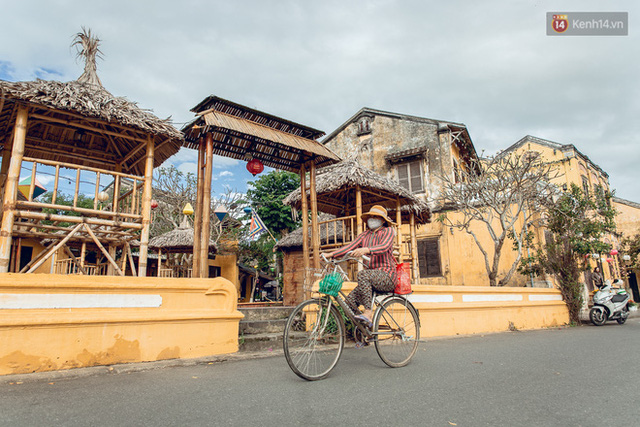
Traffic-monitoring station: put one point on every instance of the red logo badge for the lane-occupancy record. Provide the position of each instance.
(560, 23)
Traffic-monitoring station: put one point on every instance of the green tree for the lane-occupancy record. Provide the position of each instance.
(631, 247)
(65, 200)
(266, 197)
(576, 225)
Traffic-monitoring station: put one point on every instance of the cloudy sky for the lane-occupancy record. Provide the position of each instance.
(487, 64)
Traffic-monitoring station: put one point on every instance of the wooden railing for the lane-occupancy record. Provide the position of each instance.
(124, 203)
(69, 266)
(337, 232)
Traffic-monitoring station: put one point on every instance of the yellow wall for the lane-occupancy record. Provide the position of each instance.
(52, 322)
(228, 268)
(628, 218)
(460, 310)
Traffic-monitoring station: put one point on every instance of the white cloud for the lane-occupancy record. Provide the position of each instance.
(226, 174)
(486, 64)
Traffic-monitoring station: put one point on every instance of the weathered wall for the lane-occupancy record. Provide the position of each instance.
(293, 278)
(459, 310)
(628, 218)
(51, 322)
(228, 268)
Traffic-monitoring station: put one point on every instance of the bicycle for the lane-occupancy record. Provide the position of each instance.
(314, 334)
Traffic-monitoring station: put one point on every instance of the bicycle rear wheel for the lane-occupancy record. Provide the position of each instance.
(396, 328)
(313, 339)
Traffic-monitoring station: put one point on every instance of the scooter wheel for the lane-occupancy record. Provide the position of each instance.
(623, 316)
(598, 317)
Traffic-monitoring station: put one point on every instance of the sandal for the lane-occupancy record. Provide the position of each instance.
(367, 322)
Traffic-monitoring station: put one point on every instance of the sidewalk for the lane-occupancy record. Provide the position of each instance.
(146, 366)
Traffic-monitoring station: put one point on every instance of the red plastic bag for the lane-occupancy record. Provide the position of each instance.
(403, 279)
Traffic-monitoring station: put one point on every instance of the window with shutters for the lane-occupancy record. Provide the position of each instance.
(429, 258)
(410, 176)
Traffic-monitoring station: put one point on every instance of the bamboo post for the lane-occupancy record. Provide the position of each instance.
(32, 185)
(55, 186)
(315, 232)
(305, 229)
(75, 260)
(123, 262)
(18, 254)
(205, 236)
(102, 249)
(53, 250)
(197, 220)
(6, 157)
(359, 224)
(131, 262)
(146, 208)
(415, 271)
(399, 223)
(83, 254)
(11, 187)
(112, 254)
(159, 261)
(77, 190)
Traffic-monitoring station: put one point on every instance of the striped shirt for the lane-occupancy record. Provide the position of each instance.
(380, 242)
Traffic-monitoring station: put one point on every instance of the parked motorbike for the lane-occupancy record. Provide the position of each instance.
(610, 303)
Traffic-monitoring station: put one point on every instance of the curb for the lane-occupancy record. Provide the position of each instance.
(132, 367)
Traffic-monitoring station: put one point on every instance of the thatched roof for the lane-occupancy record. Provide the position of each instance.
(179, 240)
(244, 133)
(336, 188)
(80, 122)
(293, 240)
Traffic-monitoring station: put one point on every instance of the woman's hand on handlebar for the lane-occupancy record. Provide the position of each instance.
(357, 253)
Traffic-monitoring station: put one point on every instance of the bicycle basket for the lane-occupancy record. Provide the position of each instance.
(330, 284)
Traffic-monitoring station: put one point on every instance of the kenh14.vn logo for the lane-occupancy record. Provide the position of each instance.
(560, 23)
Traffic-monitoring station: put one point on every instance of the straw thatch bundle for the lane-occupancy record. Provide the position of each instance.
(111, 124)
(89, 100)
(336, 187)
(179, 240)
(294, 239)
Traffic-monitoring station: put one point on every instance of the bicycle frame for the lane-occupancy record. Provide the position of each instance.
(340, 299)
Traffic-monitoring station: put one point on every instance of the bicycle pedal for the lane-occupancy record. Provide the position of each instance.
(361, 344)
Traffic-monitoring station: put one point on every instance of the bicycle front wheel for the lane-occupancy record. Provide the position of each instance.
(313, 339)
(396, 329)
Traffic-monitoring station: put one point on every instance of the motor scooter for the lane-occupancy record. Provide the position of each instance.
(610, 303)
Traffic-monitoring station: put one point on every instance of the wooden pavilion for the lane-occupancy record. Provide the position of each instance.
(232, 130)
(346, 190)
(79, 133)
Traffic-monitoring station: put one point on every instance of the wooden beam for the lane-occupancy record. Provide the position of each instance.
(305, 232)
(75, 219)
(146, 209)
(415, 270)
(53, 250)
(130, 256)
(104, 251)
(197, 220)
(359, 225)
(315, 232)
(79, 264)
(11, 187)
(91, 128)
(205, 236)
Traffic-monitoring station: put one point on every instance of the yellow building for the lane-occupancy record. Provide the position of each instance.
(416, 152)
(574, 167)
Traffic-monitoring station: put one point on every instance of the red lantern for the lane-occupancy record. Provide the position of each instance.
(154, 204)
(609, 260)
(613, 252)
(255, 166)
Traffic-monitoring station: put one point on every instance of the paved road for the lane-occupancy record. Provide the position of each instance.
(583, 376)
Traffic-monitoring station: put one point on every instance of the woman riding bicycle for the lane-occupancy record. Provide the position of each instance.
(376, 241)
